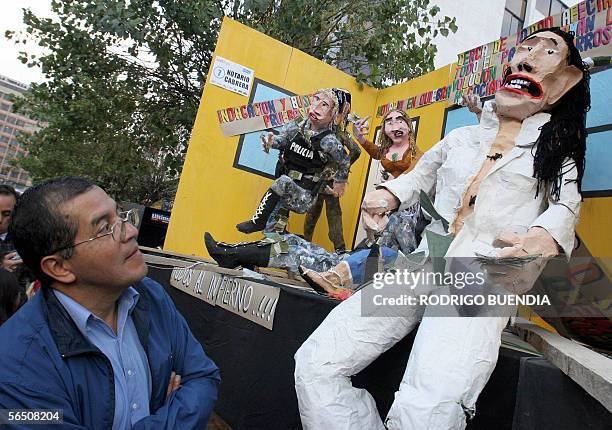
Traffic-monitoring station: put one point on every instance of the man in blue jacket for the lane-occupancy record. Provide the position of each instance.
(100, 342)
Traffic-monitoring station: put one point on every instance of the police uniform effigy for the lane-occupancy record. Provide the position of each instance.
(326, 195)
(309, 147)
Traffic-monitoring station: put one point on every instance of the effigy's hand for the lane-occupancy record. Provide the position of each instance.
(266, 142)
(521, 257)
(373, 224)
(361, 129)
(338, 190)
(472, 102)
(537, 241)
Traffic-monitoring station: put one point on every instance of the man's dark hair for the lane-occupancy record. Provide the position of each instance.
(39, 226)
(7, 190)
(564, 136)
(11, 296)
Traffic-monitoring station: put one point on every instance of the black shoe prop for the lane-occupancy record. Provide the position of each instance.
(224, 256)
(249, 227)
(371, 266)
(261, 215)
(310, 281)
(245, 254)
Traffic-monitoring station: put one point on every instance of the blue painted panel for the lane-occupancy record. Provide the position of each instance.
(600, 113)
(251, 154)
(459, 118)
(598, 172)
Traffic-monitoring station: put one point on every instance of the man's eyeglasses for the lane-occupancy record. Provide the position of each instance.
(130, 216)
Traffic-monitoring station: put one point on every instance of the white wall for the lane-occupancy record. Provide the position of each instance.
(478, 24)
(533, 15)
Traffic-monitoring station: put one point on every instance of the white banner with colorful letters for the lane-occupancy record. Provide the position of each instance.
(480, 70)
(263, 115)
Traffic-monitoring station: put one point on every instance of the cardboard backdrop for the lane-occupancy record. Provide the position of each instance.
(224, 178)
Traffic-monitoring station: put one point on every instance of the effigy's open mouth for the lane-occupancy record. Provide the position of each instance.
(523, 84)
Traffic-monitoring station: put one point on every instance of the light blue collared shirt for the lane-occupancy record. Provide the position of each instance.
(125, 352)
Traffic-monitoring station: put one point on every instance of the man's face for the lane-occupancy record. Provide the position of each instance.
(321, 110)
(395, 127)
(539, 76)
(109, 263)
(7, 204)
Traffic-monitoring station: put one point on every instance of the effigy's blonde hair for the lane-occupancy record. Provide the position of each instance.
(384, 142)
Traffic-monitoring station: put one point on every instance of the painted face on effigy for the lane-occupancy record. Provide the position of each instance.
(395, 126)
(537, 77)
(321, 110)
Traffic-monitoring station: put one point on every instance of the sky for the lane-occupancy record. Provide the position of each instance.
(11, 18)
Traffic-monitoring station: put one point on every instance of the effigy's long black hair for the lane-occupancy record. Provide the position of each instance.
(564, 136)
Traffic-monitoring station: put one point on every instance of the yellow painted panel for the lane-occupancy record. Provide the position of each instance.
(212, 194)
(303, 79)
(430, 116)
(595, 229)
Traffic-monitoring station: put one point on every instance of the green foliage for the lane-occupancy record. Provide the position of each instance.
(376, 41)
(124, 77)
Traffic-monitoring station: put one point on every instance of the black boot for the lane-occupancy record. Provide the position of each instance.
(246, 254)
(372, 263)
(261, 215)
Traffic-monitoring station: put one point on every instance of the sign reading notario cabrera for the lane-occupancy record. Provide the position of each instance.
(231, 76)
(251, 300)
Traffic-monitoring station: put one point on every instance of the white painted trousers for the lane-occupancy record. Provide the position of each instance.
(450, 363)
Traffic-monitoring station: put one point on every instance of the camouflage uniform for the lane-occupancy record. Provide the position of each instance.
(334, 219)
(290, 251)
(401, 230)
(298, 195)
(332, 203)
(293, 196)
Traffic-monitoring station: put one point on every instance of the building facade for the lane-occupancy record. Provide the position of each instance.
(11, 125)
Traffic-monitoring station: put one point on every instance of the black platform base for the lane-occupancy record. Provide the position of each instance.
(257, 365)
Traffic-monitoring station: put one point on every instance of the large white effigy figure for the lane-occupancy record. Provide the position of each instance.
(513, 179)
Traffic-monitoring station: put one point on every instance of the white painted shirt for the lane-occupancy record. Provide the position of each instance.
(506, 197)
